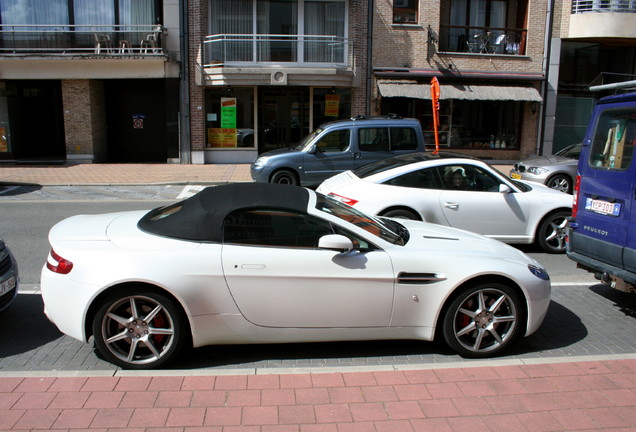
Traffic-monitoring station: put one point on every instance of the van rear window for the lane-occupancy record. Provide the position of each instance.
(614, 140)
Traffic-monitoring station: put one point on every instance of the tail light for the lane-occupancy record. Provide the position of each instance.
(57, 264)
(575, 199)
(343, 199)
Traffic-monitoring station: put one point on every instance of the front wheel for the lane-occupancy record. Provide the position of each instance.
(284, 177)
(138, 331)
(483, 320)
(561, 183)
(551, 232)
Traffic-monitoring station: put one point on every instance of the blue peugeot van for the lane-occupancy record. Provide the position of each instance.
(601, 236)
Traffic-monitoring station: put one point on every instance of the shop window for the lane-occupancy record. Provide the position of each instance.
(331, 104)
(229, 118)
(405, 11)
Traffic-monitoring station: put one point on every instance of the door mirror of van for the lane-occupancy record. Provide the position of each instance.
(313, 149)
(504, 188)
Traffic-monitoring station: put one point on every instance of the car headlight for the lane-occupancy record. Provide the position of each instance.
(537, 170)
(260, 161)
(538, 272)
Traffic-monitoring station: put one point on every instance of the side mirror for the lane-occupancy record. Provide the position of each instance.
(504, 188)
(314, 149)
(335, 242)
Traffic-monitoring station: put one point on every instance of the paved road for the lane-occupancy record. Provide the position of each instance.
(584, 319)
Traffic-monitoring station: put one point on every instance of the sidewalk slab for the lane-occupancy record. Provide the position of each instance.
(580, 395)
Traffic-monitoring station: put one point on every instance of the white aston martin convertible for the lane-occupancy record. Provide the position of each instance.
(269, 263)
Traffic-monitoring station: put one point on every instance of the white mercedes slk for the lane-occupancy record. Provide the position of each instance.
(268, 263)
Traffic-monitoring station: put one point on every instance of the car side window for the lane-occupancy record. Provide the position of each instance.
(614, 140)
(403, 138)
(282, 228)
(334, 142)
(373, 139)
(469, 178)
(273, 227)
(423, 179)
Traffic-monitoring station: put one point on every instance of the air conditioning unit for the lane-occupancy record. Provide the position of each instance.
(279, 78)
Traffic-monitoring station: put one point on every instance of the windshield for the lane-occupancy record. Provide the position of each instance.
(572, 151)
(307, 140)
(386, 229)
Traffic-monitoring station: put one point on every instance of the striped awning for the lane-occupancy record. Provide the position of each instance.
(411, 89)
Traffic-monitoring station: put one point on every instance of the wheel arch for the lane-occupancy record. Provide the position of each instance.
(479, 280)
(401, 207)
(284, 168)
(546, 216)
(146, 286)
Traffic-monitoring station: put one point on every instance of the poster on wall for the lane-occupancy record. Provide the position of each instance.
(4, 143)
(222, 137)
(225, 136)
(332, 103)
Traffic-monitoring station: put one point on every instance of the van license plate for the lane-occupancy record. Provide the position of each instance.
(7, 285)
(603, 207)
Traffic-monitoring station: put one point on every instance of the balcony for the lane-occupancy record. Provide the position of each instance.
(81, 40)
(482, 40)
(267, 50)
(600, 19)
(85, 52)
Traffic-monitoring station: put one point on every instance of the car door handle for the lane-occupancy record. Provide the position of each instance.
(451, 205)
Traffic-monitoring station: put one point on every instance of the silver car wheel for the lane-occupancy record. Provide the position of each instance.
(137, 331)
(560, 183)
(551, 235)
(483, 320)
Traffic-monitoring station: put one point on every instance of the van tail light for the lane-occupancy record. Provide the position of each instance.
(575, 198)
(57, 264)
(343, 199)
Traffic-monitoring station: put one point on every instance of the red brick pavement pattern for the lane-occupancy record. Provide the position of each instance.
(589, 396)
(130, 174)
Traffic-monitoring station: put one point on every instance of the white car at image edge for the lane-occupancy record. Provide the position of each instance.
(460, 192)
(269, 263)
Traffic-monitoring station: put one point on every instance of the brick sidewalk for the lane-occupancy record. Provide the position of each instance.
(582, 395)
(129, 174)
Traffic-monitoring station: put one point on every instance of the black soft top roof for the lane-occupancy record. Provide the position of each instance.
(201, 216)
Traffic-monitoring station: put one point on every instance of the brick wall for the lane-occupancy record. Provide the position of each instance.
(84, 119)
(358, 25)
(197, 21)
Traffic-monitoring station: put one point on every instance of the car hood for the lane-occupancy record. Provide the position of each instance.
(540, 161)
(280, 151)
(429, 236)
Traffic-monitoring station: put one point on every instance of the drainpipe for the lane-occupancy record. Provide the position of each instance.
(185, 156)
(547, 50)
(369, 80)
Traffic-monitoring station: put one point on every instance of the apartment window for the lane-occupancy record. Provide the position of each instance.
(271, 30)
(405, 11)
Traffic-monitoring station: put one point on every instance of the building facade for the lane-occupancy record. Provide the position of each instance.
(264, 73)
(489, 59)
(593, 43)
(89, 80)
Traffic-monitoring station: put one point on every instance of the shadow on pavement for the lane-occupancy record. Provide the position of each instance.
(25, 327)
(13, 189)
(625, 302)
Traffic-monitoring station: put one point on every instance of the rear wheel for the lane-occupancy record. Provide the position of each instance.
(551, 232)
(401, 214)
(138, 331)
(483, 320)
(284, 177)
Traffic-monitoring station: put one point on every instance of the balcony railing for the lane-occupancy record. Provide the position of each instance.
(482, 40)
(622, 6)
(103, 40)
(264, 49)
